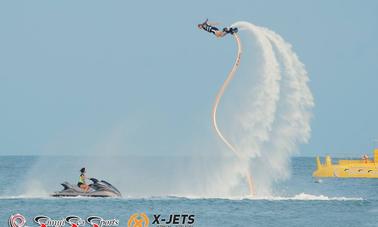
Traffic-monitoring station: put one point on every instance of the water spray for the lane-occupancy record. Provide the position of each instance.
(276, 117)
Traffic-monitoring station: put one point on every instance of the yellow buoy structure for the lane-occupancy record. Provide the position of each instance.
(358, 168)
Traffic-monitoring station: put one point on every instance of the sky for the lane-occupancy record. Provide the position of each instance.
(137, 77)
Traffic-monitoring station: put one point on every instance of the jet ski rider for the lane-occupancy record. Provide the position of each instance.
(81, 184)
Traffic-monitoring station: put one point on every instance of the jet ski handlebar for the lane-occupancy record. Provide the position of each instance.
(94, 180)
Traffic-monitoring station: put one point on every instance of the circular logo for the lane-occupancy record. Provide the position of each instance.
(17, 220)
(138, 220)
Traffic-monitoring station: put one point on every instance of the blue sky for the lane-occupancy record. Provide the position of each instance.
(79, 77)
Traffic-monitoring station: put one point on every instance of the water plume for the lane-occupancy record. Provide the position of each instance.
(273, 113)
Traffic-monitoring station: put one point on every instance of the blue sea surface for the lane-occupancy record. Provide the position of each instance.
(333, 202)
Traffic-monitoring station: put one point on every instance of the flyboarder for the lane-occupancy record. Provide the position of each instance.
(209, 27)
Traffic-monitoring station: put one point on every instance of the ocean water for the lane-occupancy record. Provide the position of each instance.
(298, 201)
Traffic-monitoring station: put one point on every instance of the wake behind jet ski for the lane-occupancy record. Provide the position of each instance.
(209, 27)
(96, 189)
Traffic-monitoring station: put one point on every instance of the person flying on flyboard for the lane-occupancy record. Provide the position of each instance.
(209, 27)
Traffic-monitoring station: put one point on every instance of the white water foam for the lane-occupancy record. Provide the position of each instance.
(301, 197)
(305, 197)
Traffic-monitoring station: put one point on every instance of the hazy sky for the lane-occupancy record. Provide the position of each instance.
(138, 77)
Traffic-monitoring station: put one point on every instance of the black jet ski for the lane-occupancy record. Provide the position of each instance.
(97, 189)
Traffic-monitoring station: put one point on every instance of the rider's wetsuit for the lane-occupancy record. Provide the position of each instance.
(209, 28)
(205, 26)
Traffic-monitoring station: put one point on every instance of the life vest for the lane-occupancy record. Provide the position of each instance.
(82, 179)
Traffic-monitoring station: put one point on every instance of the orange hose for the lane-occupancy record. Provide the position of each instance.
(220, 93)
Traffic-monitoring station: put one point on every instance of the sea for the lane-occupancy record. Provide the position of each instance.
(301, 201)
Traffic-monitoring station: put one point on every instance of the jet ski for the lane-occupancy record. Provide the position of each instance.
(97, 189)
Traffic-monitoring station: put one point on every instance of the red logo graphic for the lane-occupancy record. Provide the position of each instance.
(44, 221)
(75, 221)
(96, 221)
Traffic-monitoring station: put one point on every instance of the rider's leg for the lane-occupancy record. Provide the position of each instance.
(84, 187)
(219, 34)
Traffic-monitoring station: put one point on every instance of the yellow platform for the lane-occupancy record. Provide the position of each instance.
(362, 168)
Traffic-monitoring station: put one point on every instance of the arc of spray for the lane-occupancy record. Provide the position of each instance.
(220, 93)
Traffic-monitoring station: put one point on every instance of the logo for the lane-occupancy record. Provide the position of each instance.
(96, 221)
(45, 221)
(75, 221)
(174, 220)
(138, 220)
(17, 220)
